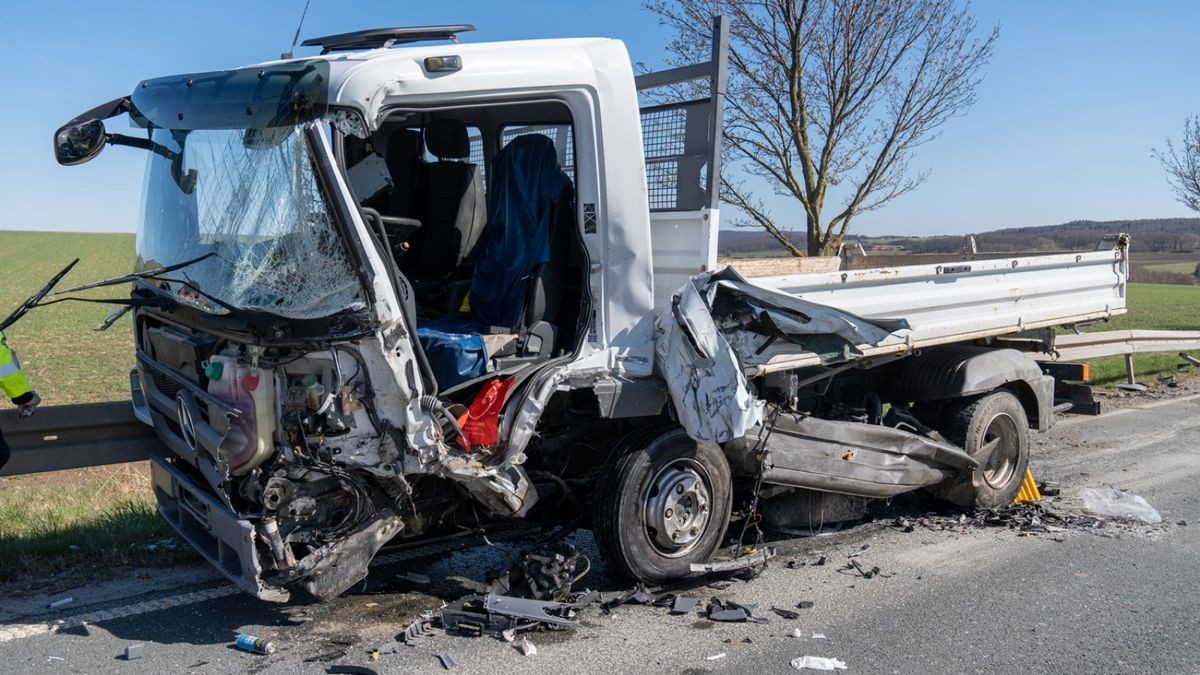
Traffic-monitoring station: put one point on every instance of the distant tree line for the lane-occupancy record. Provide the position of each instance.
(1165, 235)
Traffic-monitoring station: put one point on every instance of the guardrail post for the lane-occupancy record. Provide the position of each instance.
(1131, 384)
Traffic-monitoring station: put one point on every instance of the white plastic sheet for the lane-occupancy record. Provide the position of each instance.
(1114, 503)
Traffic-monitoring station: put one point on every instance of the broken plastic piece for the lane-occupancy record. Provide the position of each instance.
(447, 661)
(1114, 503)
(134, 652)
(481, 422)
(818, 636)
(806, 604)
(818, 663)
(786, 613)
(731, 612)
(715, 657)
(638, 595)
(62, 602)
(796, 633)
(759, 557)
(526, 647)
(508, 635)
(683, 605)
(415, 631)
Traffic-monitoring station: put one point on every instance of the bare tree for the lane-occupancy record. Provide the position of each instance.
(832, 94)
(1182, 164)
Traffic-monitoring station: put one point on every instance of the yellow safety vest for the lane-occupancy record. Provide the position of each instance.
(12, 380)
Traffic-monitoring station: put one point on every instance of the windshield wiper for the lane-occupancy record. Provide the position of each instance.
(127, 278)
(36, 297)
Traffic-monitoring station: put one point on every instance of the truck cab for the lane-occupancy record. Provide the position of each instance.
(369, 280)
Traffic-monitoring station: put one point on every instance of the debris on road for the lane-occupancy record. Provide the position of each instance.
(866, 573)
(254, 645)
(796, 633)
(1114, 503)
(526, 647)
(682, 605)
(806, 604)
(741, 562)
(415, 631)
(350, 670)
(786, 613)
(818, 663)
(715, 657)
(638, 595)
(61, 602)
(729, 612)
(447, 660)
(133, 652)
(818, 636)
(548, 572)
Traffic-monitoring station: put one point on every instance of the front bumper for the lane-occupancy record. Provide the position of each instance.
(210, 527)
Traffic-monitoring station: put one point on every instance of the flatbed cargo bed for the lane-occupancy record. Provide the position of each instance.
(960, 301)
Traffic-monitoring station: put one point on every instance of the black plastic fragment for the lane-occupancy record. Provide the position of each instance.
(806, 604)
(351, 670)
(786, 613)
(447, 661)
(683, 605)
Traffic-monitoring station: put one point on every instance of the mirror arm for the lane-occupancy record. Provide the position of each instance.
(143, 144)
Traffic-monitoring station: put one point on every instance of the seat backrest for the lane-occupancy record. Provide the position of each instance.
(454, 212)
(526, 185)
(406, 164)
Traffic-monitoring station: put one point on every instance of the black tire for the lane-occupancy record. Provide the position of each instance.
(995, 431)
(630, 489)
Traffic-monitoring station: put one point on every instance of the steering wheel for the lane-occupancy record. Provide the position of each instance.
(393, 230)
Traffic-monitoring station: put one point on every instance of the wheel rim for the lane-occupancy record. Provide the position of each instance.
(1002, 448)
(677, 507)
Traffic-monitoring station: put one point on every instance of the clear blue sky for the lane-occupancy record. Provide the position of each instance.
(1075, 98)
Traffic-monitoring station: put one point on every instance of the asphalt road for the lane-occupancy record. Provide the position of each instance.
(1115, 599)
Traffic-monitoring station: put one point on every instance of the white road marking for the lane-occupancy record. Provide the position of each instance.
(17, 631)
(24, 630)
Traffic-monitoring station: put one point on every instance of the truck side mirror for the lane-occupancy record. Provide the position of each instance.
(78, 143)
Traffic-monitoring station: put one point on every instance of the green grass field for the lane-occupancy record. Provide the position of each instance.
(1176, 267)
(89, 520)
(1152, 307)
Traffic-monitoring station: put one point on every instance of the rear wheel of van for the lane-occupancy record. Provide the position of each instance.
(994, 430)
(661, 504)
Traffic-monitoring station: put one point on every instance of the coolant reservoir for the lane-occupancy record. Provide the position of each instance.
(224, 382)
(260, 388)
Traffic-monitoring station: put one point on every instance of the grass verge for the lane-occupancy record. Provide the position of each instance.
(89, 522)
(1151, 307)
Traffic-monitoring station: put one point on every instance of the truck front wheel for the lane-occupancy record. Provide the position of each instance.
(995, 431)
(661, 504)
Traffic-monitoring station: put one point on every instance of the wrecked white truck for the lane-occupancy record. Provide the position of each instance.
(400, 289)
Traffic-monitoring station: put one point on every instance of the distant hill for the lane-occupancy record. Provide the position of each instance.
(1159, 235)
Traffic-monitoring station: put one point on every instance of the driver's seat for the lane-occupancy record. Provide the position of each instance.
(507, 305)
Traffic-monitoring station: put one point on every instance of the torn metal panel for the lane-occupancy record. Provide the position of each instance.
(867, 460)
(718, 323)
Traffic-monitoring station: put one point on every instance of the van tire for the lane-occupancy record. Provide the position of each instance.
(654, 472)
(994, 430)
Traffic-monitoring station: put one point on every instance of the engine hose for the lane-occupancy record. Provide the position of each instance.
(435, 408)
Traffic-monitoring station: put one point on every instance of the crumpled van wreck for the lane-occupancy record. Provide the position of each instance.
(412, 285)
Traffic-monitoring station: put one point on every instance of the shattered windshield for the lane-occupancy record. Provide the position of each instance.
(251, 199)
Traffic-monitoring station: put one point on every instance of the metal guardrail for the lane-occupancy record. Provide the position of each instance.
(1117, 342)
(76, 436)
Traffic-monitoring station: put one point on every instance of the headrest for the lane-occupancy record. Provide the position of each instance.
(403, 150)
(447, 139)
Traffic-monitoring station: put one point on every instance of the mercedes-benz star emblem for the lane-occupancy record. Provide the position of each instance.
(187, 424)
